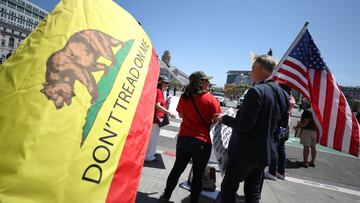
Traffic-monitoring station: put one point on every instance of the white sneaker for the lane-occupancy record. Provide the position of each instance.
(269, 176)
(279, 176)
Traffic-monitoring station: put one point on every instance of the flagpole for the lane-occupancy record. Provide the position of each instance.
(298, 37)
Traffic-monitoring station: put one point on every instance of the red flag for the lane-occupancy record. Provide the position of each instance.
(303, 69)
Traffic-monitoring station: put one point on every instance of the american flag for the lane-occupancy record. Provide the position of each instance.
(303, 69)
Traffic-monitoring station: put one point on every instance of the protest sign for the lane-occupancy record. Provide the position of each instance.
(220, 136)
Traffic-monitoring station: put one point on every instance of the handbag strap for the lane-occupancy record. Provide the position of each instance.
(197, 111)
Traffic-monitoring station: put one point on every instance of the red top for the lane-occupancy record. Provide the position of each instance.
(159, 99)
(192, 125)
(292, 103)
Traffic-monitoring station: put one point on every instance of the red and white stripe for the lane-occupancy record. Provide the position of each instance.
(125, 181)
(337, 125)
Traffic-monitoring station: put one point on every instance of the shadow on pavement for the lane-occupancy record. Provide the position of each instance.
(202, 199)
(292, 164)
(159, 163)
(144, 198)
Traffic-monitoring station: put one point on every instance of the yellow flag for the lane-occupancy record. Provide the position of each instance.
(76, 107)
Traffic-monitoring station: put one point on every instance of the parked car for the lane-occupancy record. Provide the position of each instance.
(220, 97)
(241, 99)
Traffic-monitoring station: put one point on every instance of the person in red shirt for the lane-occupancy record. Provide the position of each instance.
(160, 111)
(198, 109)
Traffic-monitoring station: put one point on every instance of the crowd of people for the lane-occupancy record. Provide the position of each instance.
(259, 132)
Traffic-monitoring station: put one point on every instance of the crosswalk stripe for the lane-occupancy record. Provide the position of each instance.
(325, 186)
(175, 124)
(168, 133)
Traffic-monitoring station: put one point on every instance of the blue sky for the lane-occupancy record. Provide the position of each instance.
(217, 36)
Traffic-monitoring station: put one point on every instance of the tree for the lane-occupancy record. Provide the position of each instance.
(175, 83)
(235, 91)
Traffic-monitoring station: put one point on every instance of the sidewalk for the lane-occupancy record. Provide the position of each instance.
(154, 175)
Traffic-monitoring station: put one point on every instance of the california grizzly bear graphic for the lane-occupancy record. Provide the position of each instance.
(77, 61)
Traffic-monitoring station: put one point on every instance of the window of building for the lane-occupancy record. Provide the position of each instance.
(11, 42)
(19, 8)
(11, 5)
(28, 12)
(2, 42)
(3, 2)
(21, 2)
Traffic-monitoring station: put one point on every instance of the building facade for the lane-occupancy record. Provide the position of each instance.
(351, 92)
(173, 73)
(17, 19)
(238, 77)
(352, 95)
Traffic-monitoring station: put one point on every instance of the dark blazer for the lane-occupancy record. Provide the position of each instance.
(255, 124)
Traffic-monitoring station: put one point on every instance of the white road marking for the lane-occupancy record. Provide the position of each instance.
(324, 186)
(175, 124)
(168, 133)
(158, 151)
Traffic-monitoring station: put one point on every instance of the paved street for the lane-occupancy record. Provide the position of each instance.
(336, 177)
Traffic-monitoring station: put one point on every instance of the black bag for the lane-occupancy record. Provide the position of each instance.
(282, 134)
(208, 179)
(164, 121)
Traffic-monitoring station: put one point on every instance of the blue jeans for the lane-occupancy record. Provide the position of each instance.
(188, 148)
(278, 159)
